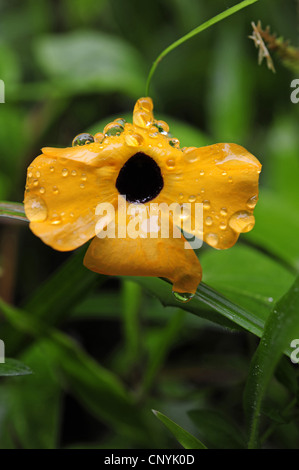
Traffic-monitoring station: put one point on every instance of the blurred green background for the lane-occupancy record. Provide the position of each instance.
(106, 351)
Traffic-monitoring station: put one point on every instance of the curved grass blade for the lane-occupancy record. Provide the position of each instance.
(194, 32)
(281, 328)
(182, 436)
(13, 210)
(13, 367)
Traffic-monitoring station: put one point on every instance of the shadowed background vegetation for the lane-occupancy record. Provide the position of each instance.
(88, 356)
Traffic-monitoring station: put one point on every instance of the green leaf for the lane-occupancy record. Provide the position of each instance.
(182, 436)
(217, 430)
(276, 225)
(281, 328)
(246, 276)
(89, 61)
(207, 303)
(13, 367)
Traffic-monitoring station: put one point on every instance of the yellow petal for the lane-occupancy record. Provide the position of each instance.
(60, 201)
(145, 256)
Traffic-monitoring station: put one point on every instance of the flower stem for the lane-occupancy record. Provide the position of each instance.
(194, 32)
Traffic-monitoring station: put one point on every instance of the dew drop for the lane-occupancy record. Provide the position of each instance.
(29, 174)
(99, 137)
(113, 130)
(192, 198)
(201, 172)
(209, 221)
(83, 177)
(206, 204)
(181, 196)
(222, 226)
(170, 163)
(35, 183)
(212, 239)
(251, 203)
(230, 180)
(52, 169)
(42, 190)
(223, 211)
(73, 173)
(133, 140)
(37, 174)
(55, 190)
(183, 296)
(55, 220)
(36, 209)
(242, 221)
(174, 143)
(65, 172)
(224, 173)
(82, 139)
(82, 186)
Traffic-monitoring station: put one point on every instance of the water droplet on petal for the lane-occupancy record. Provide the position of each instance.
(82, 139)
(206, 204)
(133, 140)
(83, 177)
(192, 198)
(201, 172)
(55, 220)
(82, 186)
(36, 209)
(29, 174)
(223, 211)
(209, 220)
(35, 183)
(37, 174)
(251, 203)
(65, 172)
(224, 173)
(42, 190)
(170, 163)
(174, 143)
(73, 173)
(55, 190)
(222, 225)
(52, 169)
(212, 239)
(242, 221)
(183, 296)
(181, 196)
(230, 180)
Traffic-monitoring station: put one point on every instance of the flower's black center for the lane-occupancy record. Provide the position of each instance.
(140, 179)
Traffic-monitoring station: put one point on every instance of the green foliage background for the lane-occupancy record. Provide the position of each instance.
(89, 357)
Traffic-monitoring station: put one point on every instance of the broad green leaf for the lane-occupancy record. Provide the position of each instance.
(182, 436)
(217, 430)
(88, 61)
(277, 224)
(246, 276)
(281, 328)
(13, 367)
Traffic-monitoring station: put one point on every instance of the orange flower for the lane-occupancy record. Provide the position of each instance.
(143, 163)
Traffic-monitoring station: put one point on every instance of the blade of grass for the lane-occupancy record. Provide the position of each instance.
(182, 436)
(13, 210)
(194, 32)
(281, 328)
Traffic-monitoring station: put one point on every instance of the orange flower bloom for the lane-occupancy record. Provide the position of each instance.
(142, 162)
